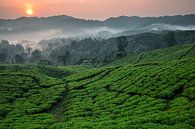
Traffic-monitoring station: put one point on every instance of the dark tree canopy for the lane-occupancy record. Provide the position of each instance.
(122, 43)
(170, 38)
(3, 57)
(4, 42)
(36, 55)
(19, 59)
(65, 58)
(29, 49)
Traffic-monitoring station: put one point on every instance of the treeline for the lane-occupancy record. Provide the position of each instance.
(98, 52)
(91, 51)
(10, 53)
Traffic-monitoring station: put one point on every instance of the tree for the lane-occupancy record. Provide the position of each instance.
(73, 44)
(170, 38)
(4, 45)
(4, 42)
(29, 50)
(19, 59)
(3, 57)
(36, 55)
(65, 58)
(19, 48)
(122, 43)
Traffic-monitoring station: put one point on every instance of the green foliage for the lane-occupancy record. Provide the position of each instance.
(144, 95)
(134, 96)
(167, 54)
(170, 38)
(19, 59)
(26, 95)
(122, 43)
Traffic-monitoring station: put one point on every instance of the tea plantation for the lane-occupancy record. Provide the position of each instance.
(154, 93)
(167, 54)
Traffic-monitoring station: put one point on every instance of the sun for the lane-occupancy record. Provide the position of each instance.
(29, 12)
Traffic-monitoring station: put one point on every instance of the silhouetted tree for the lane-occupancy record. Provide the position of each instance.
(29, 50)
(122, 43)
(3, 57)
(4, 42)
(19, 48)
(19, 59)
(170, 38)
(73, 44)
(45, 62)
(36, 55)
(65, 58)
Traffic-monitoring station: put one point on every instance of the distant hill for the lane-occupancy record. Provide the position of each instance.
(140, 22)
(64, 26)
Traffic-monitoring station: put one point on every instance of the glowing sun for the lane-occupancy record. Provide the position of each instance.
(29, 12)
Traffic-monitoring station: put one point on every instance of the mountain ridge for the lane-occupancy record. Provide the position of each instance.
(112, 17)
(66, 26)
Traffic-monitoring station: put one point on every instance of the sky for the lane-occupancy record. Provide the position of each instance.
(94, 9)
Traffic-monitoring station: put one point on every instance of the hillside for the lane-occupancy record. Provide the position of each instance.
(157, 92)
(158, 95)
(98, 52)
(167, 54)
(90, 51)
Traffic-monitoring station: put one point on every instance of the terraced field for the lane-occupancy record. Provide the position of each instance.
(159, 95)
(145, 95)
(28, 94)
(167, 54)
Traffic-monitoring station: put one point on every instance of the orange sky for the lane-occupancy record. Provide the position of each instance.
(96, 9)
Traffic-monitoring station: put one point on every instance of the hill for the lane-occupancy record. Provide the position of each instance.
(97, 52)
(157, 92)
(166, 54)
(27, 28)
(158, 95)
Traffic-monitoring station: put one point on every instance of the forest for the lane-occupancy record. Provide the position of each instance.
(90, 51)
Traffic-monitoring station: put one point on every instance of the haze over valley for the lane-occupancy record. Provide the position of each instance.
(36, 29)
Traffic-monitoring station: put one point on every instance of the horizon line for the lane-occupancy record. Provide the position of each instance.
(96, 19)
